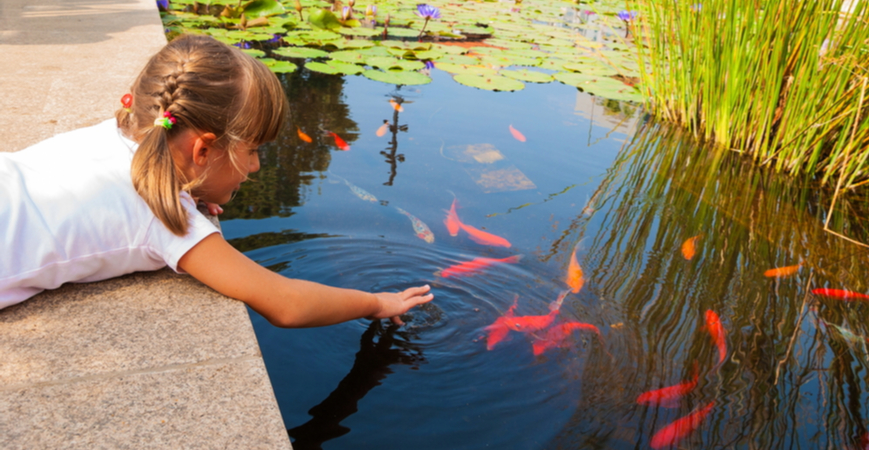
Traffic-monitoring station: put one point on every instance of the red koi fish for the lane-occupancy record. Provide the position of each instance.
(396, 105)
(717, 332)
(499, 330)
(484, 238)
(382, 130)
(303, 136)
(688, 247)
(575, 274)
(780, 272)
(516, 134)
(452, 221)
(840, 293)
(476, 265)
(527, 324)
(668, 396)
(557, 335)
(339, 142)
(678, 429)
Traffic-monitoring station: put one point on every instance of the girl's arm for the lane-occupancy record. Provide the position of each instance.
(287, 302)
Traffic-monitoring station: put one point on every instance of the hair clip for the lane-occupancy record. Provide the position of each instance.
(167, 121)
(127, 102)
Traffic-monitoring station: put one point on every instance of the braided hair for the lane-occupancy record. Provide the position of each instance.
(206, 86)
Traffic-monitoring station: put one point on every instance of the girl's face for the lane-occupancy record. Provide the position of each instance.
(223, 178)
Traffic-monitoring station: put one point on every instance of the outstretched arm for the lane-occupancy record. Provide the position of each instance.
(287, 302)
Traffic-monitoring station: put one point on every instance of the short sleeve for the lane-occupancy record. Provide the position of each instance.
(171, 247)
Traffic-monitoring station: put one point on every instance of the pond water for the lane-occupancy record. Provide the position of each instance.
(591, 177)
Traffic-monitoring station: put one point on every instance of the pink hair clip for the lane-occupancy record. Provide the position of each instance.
(167, 121)
(127, 102)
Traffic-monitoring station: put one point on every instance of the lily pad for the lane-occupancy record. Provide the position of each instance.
(300, 52)
(282, 67)
(402, 32)
(360, 31)
(324, 19)
(459, 59)
(591, 69)
(263, 8)
(465, 69)
(407, 45)
(320, 67)
(386, 62)
(490, 82)
(575, 79)
(402, 77)
(527, 75)
(346, 68)
(353, 43)
(428, 54)
(254, 52)
(349, 56)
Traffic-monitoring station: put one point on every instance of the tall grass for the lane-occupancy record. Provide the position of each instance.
(782, 81)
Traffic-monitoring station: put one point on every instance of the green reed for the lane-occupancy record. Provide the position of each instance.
(782, 81)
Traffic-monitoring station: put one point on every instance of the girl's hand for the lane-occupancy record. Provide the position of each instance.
(213, 208)
(394, 304)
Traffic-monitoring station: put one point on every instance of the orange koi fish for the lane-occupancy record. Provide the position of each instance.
(476, 265)
(557, 335)
(678, 429)
(575, 274)
(782, 271)
(302, 135)
(397, 106)
(528, 324)
(499, 330)
(840, 293)
(516, 134)
(484, 238)
(420, 228)
(452, 220)
(668, 396)
(717, 332)
(382, 130)
(339, 142)
(688, 247)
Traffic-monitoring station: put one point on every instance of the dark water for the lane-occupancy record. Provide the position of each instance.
(591, 175)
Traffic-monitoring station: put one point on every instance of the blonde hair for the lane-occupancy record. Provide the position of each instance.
(209, 87)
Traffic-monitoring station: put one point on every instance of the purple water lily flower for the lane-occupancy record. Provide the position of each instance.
(627, 16)
(371, 10)
(345, 13)
(429, 65)
(428, 12)
(243, 45)
(163, 5)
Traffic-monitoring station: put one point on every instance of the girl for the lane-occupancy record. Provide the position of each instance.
(121, 196)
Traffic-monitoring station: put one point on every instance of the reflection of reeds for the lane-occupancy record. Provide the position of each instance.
(782, 81)
(663, 191)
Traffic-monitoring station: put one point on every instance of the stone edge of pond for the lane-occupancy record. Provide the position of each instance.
(148, 360)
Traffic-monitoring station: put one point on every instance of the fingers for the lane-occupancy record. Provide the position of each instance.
(415, 291)
(213, 208)
(396, 320)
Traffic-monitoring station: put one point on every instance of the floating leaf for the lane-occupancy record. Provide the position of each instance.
(281, 67)
(324, 19)
(300, 52)
(527, 75)
(254, 52)
(349, 56)
(490, 82)
(386, 62)
(360, 31)
(575, 79)
(353, 43)
(262, 8)
(459, 59)
(465, 69)
(407, 45)
(402, 32)
(591, 68)
(402, 77)
(320, 67)
(428, 54)
(345, 68)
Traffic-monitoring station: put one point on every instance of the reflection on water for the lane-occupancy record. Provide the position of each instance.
(794, 373)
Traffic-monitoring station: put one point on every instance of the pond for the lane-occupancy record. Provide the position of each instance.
(668, 238)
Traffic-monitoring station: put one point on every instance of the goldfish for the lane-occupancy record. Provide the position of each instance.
(420, 228)
(476, 265)
(688, 247)
(499, 330)
(452, 220)
(484, 238)
(782, 271)
(382, 130)
(846, 334)
(575, 274)
(397, 106)
(840, 293)
(717, 332)
(668, 396)
(360, 192)
(516, 134)
(302, 135)
(527, 324)
(339, 142)
(678, 429)
(557, 334)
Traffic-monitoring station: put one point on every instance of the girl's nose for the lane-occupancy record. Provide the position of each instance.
(254, 164)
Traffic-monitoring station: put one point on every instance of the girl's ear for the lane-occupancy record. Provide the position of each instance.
(202, 147)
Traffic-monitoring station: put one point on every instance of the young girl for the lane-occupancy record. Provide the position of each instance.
(120, 197)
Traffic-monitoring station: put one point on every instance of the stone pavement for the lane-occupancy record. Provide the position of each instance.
(149, 360)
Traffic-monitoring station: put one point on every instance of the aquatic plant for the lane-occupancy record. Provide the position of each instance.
(784, 82)
(427, 13)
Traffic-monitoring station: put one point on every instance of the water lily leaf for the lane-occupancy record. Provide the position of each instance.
(345, 68)
(349, 56)
(282, 67)
(300, 52)
(575, 79)
(428, 54)
(360, 31)
(496, 61)
(375, 51)
(402, 77)
(353, 43)
(400, 53)
(263, 8)
(591, 68)
(324, 19)
(459, 59)
(254, 52)
(320, 67)
(614, 89)
(407, 45)
(465, 69)
(402, 32)
(382, 62)
(514, 45)
(527, 75)
(525, 54)
(450, 49)
(490, 82)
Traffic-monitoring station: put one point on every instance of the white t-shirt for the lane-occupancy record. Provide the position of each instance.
(69, 213)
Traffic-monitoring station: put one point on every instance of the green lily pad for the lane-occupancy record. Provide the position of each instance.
(320, 67)
(407, 45)
(282, 67)
(402, 32)
(262, 8)
(386, 62)
(300, 52)
(514, 45)
(402, 77)
(360, 31)
(346, 68)
(575, 79)
(490, 82)
(324, 19)
(592, 68)
(527, 75)
(465, 69)
(553, 64)
(428, 54)
(353, 43)
(450, 49)
(400, 53)
(254, 52)
(459, 59)
(349, 56)
(375, 51)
